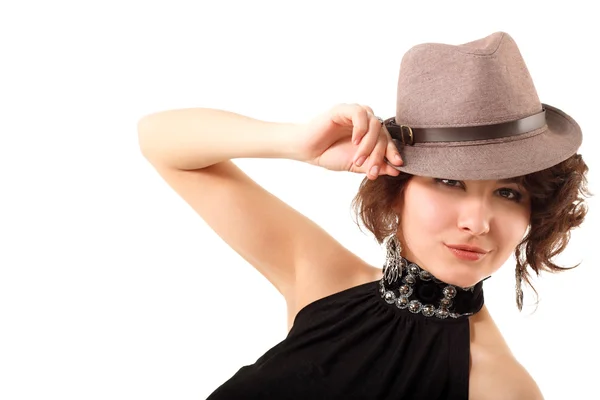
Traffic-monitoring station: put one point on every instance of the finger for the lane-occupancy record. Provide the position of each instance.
(360, 123)
(385, 169)
(389, 169)
(343, 113)
(376, 158)
(392, 153)
(365, 169)
(368, 142)
(370, 113)
(369, 109)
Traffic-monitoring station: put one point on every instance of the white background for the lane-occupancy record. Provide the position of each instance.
(112, 288)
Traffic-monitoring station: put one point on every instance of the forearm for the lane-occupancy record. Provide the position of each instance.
(195, 138)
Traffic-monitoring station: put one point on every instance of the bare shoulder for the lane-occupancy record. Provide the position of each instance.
(503, 378)
(523, 384)
(495, 373)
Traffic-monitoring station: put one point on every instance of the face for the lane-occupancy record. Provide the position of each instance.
(440, 216)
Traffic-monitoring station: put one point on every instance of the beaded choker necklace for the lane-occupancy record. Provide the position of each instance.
(409, 287)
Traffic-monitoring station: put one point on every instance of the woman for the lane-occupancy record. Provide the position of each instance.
(470, 169)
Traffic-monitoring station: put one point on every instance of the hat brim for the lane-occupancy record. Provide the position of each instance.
(502, 158)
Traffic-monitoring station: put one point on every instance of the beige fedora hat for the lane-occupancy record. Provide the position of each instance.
(471, 111)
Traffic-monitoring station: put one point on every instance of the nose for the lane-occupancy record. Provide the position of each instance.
(475, 216)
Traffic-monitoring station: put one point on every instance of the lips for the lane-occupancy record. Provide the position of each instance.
(464, 247)
(466, 252)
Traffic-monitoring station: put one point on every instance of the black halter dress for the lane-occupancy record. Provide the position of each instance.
(405, 336)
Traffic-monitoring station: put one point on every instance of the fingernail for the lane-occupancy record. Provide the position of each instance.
(360, 161)
(375, 170)
(398, 158)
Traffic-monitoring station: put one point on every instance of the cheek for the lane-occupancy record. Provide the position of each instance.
(427, 213)
(511, 226)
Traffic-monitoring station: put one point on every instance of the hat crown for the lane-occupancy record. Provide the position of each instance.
(481, 82)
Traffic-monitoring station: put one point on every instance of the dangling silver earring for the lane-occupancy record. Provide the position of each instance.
(519, 287)
(393, 260)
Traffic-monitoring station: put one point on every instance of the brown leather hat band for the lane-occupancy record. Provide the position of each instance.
(410, 136)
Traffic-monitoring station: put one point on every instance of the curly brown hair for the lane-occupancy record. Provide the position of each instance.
(557, 206)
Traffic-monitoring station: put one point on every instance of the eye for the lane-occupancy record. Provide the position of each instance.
(510, 194)
(450, 182)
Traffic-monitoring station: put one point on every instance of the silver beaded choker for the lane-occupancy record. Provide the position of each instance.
(407, 286)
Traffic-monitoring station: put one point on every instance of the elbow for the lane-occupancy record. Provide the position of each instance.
(145, 130)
